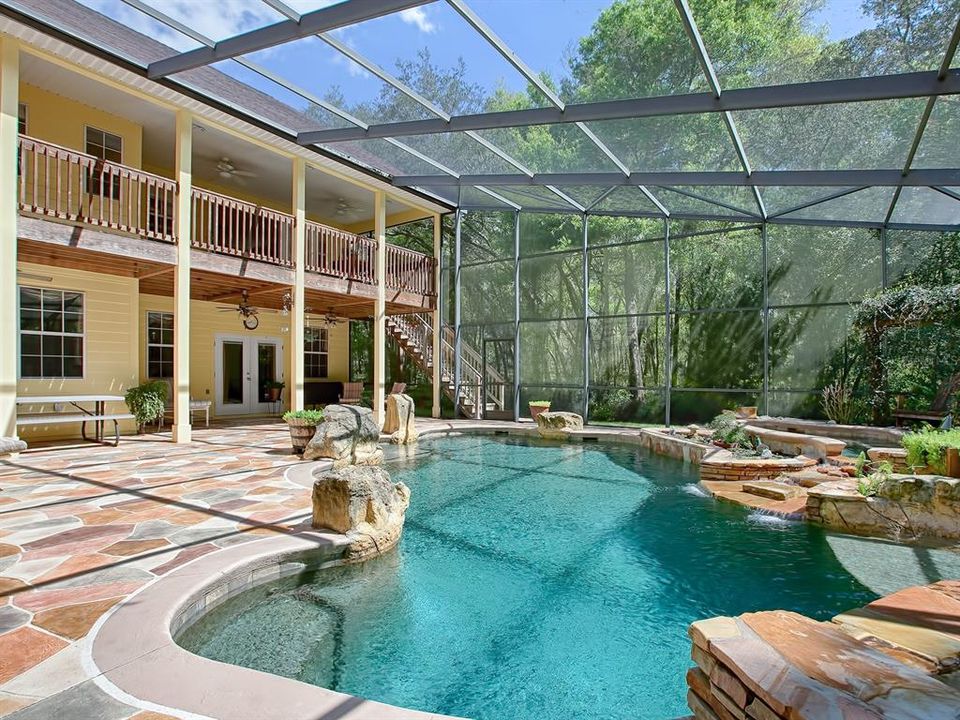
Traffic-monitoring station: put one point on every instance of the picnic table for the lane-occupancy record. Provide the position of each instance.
(97, 414)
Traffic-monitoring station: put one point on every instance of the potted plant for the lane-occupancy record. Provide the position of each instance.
(537, 407)
(303, 426)
(934, 451)
(274, 388)
(147, 402)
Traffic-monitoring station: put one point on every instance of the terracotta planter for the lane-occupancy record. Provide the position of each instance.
(301, 433)
(273, 394)
(535, 410)
(953, 462)
(747, 411)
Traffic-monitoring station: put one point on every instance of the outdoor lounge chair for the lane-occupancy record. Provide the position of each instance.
(352, 392)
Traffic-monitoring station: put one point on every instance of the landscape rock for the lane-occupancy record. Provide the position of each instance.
(11, 445)
(348, 435)
(558, 425)
(903, 507)
(400, 421)
(362, 503)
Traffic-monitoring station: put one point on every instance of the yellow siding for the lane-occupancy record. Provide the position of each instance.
(61, 121)
(206, 322)
(110, 347)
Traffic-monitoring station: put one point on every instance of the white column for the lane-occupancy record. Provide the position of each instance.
(380, 307)
(295, 376)
(9, 99)
(437, 319)
(181, 280)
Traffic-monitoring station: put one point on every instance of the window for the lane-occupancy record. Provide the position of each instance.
(159, 345)
(22, 119)
(315, 344)
(109, 148)
(51, 333)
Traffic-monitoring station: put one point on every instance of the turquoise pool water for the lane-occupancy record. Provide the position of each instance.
(533, 581)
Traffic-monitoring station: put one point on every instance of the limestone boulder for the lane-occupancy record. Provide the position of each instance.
(348, 435)
(400, 422)
(362, 503)
(558, 425)
(11, 445)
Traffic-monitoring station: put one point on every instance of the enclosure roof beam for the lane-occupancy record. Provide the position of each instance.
(273, 77)
(823, 92)
(759, 178)
(925, 117)
(693, 32)
(347, 12)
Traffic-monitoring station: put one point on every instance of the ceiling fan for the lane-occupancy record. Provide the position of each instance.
(247, 312)
(227, 170)
(344, 208)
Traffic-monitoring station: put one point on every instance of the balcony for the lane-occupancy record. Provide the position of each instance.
(67, 185)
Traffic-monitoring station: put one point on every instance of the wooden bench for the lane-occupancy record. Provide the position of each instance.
(933, 417)
(82, 418)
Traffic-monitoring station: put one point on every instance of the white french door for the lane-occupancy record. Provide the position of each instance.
(244, 368)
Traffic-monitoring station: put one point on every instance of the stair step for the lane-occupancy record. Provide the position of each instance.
(773, 489)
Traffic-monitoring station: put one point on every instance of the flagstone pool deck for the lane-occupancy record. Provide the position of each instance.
(83, 527)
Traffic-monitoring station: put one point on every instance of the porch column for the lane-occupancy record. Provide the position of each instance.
(437, 318)
(9, 99)
(295, 376)
(181, 280)
(380, 307)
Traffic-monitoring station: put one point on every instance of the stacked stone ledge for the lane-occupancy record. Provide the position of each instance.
(356, 497)
(779, 665)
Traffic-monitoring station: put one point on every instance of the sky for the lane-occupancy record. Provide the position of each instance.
(542, 32)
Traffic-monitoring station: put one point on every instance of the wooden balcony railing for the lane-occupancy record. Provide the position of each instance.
(410, 270)
(69, 185)
(339, 253)
(229, 226)
(66, 184)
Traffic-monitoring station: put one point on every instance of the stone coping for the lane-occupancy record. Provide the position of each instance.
(135, 657)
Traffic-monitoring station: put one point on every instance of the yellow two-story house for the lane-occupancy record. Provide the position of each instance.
(147, 233)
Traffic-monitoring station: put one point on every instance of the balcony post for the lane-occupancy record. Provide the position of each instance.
(9, 100)
(181, 280)
(380, 307)
(295, 380)
(437, 318)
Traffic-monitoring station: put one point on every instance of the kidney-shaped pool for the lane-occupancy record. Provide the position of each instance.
(533, 581)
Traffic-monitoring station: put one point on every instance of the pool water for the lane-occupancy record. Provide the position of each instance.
(533, 581)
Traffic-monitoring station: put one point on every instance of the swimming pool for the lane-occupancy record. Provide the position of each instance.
(533, 580)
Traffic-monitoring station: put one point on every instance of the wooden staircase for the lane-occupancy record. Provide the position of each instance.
(414, 333)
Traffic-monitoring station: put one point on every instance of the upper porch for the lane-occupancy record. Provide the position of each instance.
(130, 214)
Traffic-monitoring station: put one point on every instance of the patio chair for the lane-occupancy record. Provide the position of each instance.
(398, 388)
(352, 392)
(196, 406)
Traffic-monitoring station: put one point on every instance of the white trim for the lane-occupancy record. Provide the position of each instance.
(41, 333)
(251, 405)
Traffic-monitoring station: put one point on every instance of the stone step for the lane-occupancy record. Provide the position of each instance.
(783, 665)
(917, 625)
(773, 489)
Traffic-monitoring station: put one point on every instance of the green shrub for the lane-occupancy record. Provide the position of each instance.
(314, 417)
(147, 401)
(927, 447)
(870, 485)
(726, 428)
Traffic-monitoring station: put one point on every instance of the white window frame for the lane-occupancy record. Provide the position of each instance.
(23, 119)
(82, 335)
(94, 181)
(159, 345)
(324, 341)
